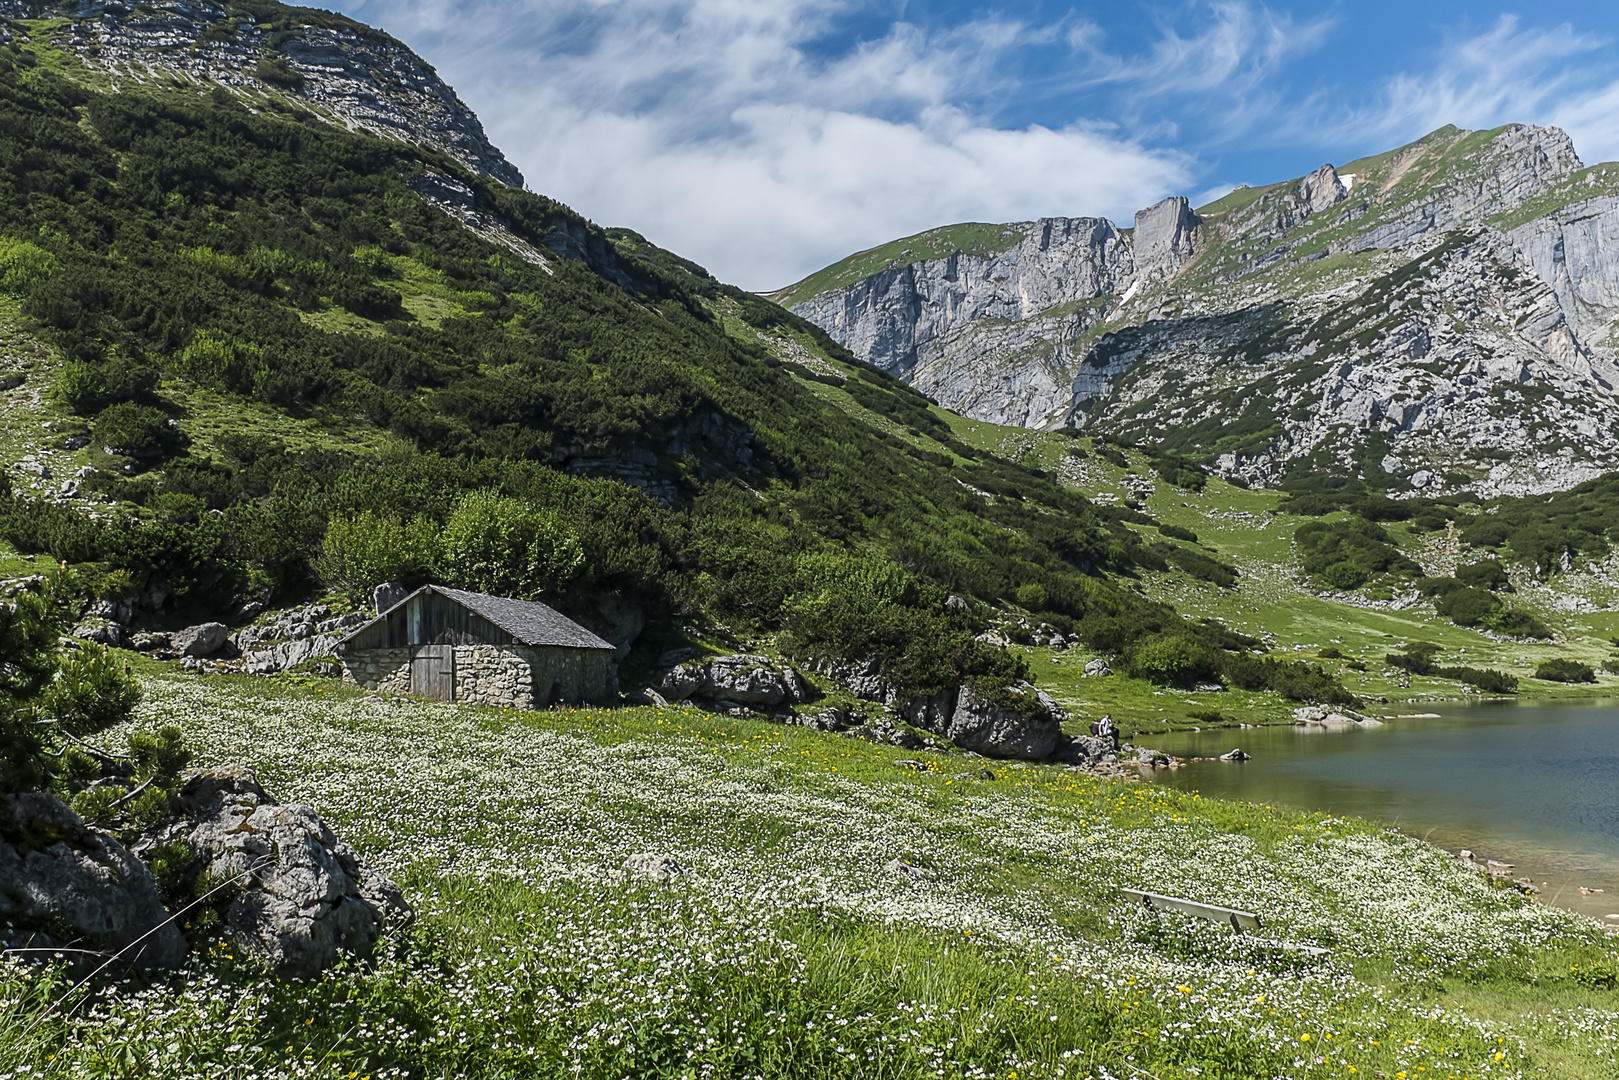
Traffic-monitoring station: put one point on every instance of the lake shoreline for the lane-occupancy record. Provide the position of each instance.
(1525, 782)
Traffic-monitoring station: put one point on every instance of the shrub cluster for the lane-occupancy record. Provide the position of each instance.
(1565, 671)
(1343, 554)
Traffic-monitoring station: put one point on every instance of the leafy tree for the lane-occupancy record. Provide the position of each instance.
(508, 547)
(361, 551)
(1169, 660)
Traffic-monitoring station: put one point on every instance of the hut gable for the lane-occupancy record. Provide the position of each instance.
(434, 615)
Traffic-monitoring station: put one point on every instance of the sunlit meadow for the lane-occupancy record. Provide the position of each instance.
(840, 915)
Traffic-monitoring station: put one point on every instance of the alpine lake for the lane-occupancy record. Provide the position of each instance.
(1534, 784)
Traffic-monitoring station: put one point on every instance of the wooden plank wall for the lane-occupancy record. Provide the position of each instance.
(431, 619)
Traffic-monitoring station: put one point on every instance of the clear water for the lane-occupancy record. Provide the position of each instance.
(1535, 784)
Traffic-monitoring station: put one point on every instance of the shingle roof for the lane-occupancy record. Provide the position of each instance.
(529, 621)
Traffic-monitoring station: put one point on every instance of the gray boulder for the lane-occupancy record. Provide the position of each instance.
(300, 895)
(990, 728)
(388, 595)
(101, 632)
(755, 681)
(204, 639)
(653, 867)
(1088, 749)
(1156, 758)
(1097, 669)
(56, 871)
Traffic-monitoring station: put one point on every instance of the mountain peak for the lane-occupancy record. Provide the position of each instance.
(342, 71)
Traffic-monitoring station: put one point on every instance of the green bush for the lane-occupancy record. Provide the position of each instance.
(1292, 679)
(508, 547)
(1417, 658)
(23, 265)
(1485, 574)
(1199, 565)
(1565, 671)
(138, 431)
(1486, 679)
(1176, 532)
(1515, 623)
(361, 551)
(87, 387)
(1354, 540)
(1168, 660)
(1343, 576)
(1033, 596)
(91, 691)
(878, 579)
(1467, 606)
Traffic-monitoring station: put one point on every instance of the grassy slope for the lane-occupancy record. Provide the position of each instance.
(1241, 527)
(791, 948)
(969, 238)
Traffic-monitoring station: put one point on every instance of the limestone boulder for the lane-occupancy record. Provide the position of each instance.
(388, 595)
(101, 632)
(1096, 669)
(986, 726)
(300, 896)
(204, 639)
(756, 681)
(56, 872)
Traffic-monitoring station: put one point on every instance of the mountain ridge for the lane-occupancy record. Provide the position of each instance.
(1495, 247)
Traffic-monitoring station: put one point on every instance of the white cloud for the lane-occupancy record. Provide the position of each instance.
(715, 127)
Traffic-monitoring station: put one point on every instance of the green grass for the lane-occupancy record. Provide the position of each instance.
(788, 948)
(971, 238)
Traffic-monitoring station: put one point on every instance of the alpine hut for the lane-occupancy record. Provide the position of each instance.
(482, 650)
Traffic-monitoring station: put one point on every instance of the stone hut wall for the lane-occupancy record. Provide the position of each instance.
(505, 676)
(387, 670)
(498, 675)
(582, 675)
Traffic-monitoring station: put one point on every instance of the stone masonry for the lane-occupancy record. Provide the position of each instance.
(505, 676)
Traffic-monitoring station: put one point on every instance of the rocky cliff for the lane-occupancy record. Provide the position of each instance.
(1435, 318)
(341, 70)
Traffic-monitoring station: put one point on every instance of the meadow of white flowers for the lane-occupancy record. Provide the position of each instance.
(839, 915)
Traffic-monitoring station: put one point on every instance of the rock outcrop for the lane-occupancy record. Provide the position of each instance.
(1440, 318)
(299, 894)
(753, 681)
(996, 729)
(63, 884)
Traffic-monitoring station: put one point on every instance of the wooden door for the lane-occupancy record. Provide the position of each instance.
(432, 672)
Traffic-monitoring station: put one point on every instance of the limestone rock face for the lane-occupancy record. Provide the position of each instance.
(364, 78)
(1322, 190)
(300, 893)
(1164, 238)
(56, 870)
(928, 322)
(388, 595)
(1441, 318)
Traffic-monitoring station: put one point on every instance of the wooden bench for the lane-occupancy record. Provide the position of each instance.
(1237, 919)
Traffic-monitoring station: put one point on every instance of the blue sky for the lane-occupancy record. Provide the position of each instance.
(766, 138)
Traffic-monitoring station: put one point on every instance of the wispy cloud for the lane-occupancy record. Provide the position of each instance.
(1509, 73)
(719, 129)
(1225, 71)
